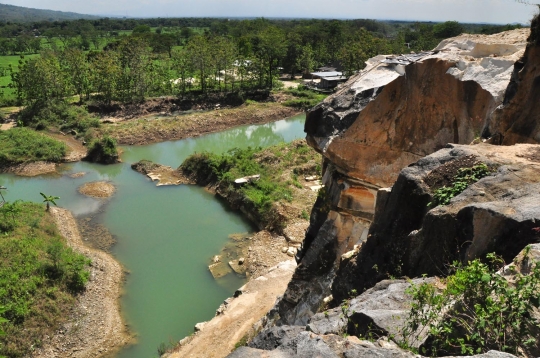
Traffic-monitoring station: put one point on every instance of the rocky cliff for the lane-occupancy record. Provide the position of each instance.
(396, 111)
(375, 220)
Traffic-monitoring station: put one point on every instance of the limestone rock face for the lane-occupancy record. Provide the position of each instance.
(498, 213)
(392, 114)
(517, 120)
(389, 116)
(305, 344)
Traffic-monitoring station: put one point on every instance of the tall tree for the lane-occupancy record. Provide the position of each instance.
(270, 47)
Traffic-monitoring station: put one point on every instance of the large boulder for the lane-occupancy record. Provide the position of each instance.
(396, 111)
(400, 109)
(499, 213)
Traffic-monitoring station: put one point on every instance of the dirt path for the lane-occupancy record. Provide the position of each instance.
(219, 336)
(95, 327)
(76, 150)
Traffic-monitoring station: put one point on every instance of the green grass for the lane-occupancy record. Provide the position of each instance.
(39, 277)
(21, 145)
(278, 167)
(5, 62)
(305, 98)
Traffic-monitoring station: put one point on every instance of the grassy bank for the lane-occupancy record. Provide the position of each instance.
(303, 98)
(153, 128)
(21, 145)
(278, 197)
(39, 277)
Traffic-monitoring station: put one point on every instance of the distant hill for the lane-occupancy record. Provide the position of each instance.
(24, 14)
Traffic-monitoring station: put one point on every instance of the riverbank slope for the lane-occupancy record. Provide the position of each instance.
(94, 327)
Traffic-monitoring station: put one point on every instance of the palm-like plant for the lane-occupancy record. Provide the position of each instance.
(49, 199)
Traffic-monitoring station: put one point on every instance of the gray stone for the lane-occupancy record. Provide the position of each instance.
(329, 322)
(410, 238)
(490, 354)
(380, 311)
(276, 336)
(247, 352)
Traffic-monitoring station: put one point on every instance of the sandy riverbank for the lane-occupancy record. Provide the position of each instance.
(95, 327)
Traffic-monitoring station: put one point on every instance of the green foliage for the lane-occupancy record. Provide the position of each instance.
(479, 310)
(306, 98)
(21, 145)
(49, 199)
(103, 151)
(39, 278)
(447, 29)
(242, 342)
(269, 163)
(464, 178)
(60, 114)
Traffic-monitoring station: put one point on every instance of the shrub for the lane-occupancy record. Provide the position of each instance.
(306, 98)
(20, 145)
(39, 279)
(464, 178)
(479, 310)
(58, 113)
(103, 151)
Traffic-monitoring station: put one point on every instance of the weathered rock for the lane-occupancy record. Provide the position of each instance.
(517, 120)
(394, 116)
(238, 317)
(496, 214)
(199, 326)
(296, 232)
(380, 311)
(276, 336)
(307, 345)
(385, 118)
(164, 175)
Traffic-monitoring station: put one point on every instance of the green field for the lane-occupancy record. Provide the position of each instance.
(5, 62)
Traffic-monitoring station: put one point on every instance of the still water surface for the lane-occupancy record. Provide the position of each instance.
(165, 235)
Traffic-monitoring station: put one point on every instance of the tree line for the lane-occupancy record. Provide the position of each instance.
(228, 56)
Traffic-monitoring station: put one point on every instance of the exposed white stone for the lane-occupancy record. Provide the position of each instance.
(486, 59)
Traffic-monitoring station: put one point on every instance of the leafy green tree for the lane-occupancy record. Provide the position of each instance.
(163, 43)
(40, 79)
(49, 199)
(223, 53)
(182, 65)
(77, 69)
(447, 29)
(141, 30)
(105, 73)
(11, 209)
(199, 52)
(306, 59)
(134, 58)
(270, 47)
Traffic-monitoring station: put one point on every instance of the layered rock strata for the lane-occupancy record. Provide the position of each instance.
(498, 213)
(396, 111)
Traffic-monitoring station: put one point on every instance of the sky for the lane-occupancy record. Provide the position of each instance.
(489, 11)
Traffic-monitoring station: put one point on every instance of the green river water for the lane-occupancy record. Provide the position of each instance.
(165, 235)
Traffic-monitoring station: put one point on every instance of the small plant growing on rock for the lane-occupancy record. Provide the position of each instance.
(479, 310)
(464, 178)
